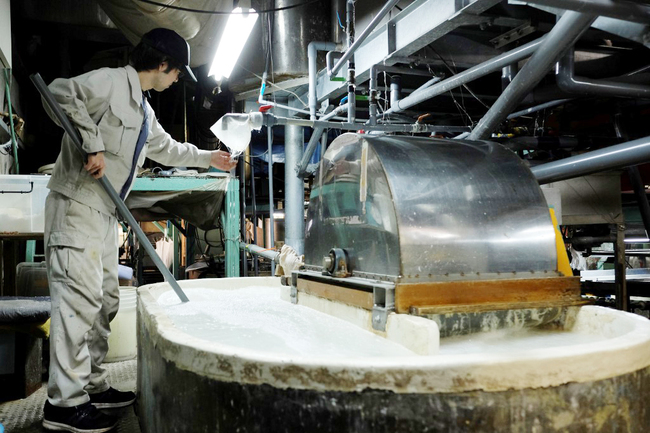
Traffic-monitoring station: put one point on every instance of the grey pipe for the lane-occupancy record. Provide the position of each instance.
(259, 251)
(106, 185)
(415, 128)
(537, 108)
(618, 156)
(619, 9)
(478, 71)
(508, 74)
(563, 35)
(568, 82)
(396, 90)
(301, 168)
(293, 189)
(352, 99)
(312, 51)
(364, 34)
(641, 197)
(269, 138)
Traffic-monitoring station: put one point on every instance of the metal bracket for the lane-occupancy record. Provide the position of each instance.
(513, 35)
(383, 305)
(294, 287)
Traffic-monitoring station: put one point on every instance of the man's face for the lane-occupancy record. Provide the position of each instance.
(165, 79)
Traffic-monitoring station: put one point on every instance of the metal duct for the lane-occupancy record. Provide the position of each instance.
(72, 12)
(291, 31)
(202, 31)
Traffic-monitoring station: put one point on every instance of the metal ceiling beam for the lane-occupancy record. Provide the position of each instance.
(419, 24)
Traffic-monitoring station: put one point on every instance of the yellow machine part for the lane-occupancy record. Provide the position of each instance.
(563, 264)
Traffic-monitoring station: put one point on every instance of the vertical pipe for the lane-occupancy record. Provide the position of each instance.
(242, 210)
(293, 189)
(622, 296)
(254, 205)
(269, 138)
(312, 51)
(508, 74)
(352, 100)
(395, 90)
(337, 10)
(563, 35)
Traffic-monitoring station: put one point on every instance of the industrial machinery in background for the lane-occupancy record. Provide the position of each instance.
(548, 80)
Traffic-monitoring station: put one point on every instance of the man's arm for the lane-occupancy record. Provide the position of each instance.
(162, 148)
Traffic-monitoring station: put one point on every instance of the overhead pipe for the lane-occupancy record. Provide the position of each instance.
(364, 34)
(619, 9)
(415, 128)
(312, 51)
(563, 35)
(537, 108)
(568, 82)
(495, 64)
(613, 157)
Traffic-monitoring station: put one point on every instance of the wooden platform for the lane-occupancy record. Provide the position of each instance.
(460, 296)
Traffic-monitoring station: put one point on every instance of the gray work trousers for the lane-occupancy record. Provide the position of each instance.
(81, 250)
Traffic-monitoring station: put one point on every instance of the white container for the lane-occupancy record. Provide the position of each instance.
(22, 203)
(31, 279)
(122, 343)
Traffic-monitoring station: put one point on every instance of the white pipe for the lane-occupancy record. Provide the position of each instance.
(312, 51)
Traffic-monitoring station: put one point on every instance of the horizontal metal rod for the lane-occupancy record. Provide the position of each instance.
(259, 251)
(271, 120)
(614, 157)
(362, 37)
(537, 108)
(478, 71)
(103, 181)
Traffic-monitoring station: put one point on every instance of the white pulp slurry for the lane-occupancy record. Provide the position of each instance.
(514, 340)
(256, 318)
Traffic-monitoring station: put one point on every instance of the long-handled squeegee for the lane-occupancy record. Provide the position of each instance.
(103, 181)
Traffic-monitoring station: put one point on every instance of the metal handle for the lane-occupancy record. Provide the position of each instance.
(103, 181)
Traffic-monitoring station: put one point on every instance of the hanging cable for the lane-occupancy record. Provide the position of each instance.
(201, 11)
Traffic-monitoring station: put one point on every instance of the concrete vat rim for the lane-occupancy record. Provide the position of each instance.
(627, 351)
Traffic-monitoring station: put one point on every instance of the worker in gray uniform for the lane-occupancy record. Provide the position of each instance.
(119, 129)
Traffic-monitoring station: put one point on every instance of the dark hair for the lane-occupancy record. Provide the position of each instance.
(146, 58)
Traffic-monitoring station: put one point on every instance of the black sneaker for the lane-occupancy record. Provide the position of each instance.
(112, 399)
(84, 418)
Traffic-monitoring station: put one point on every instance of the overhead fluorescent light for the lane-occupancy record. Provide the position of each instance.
(238, 29)
(637, 240)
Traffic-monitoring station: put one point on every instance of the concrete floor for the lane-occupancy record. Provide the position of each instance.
(26, 415)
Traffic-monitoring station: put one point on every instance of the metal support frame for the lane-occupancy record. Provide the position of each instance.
(362, 37)
(269, 138)
(563, 35)
(383, 305)
(415, 27)
(620, 265)
(230, 219)
(495, 64)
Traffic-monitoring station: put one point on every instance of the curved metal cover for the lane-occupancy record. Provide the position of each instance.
(419, 209)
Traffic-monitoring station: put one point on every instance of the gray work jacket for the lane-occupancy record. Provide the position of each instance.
(106, 107)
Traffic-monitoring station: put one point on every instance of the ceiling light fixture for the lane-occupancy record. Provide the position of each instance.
(238, 29)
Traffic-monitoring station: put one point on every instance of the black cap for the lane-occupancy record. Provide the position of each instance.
(172, 44)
